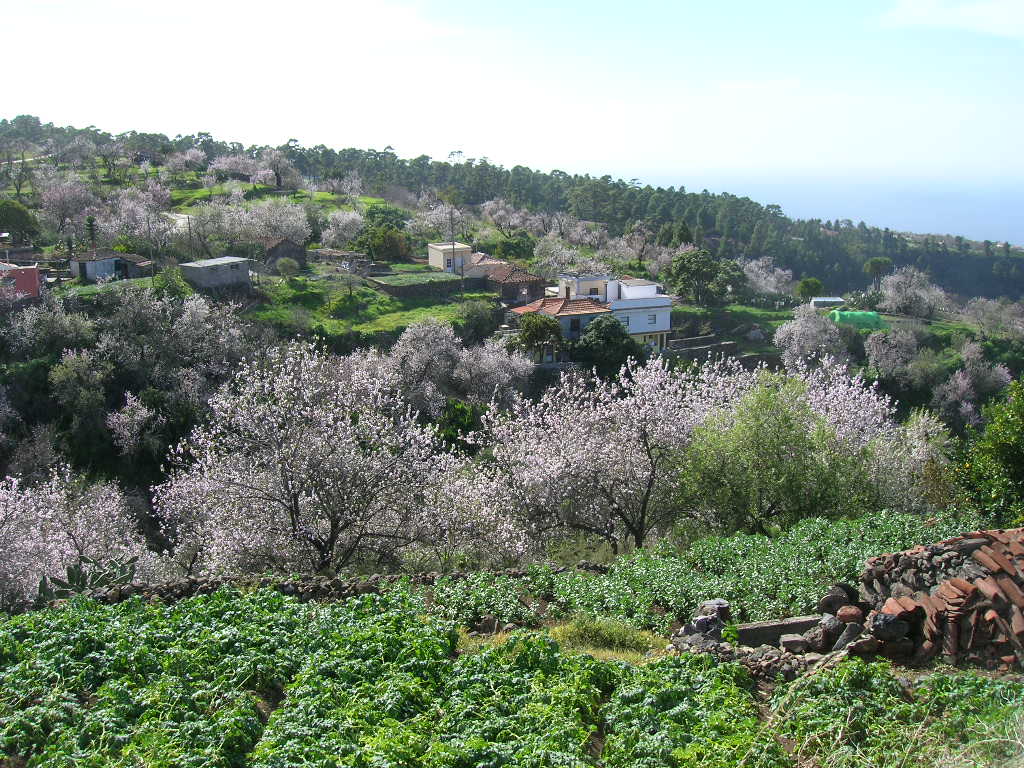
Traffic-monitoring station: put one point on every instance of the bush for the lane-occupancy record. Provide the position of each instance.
(287, 267)
(588, 632)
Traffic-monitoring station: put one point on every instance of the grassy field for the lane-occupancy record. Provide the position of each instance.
(187, 192)
(336, 304)
(75, 288)
(417, 278)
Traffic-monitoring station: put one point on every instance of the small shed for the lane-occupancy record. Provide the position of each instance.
(821, 302)
(19, 282)
(870, 321)
(106, 263)
(515, 285)
(223, 272)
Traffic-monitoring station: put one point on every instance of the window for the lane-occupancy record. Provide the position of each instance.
(625, 320)
(652, 319)
(574, 325)
(594, 292)
(234, 266)
(447, 263)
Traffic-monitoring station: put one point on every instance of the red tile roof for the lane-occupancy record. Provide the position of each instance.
(509, 273)
(560, 307)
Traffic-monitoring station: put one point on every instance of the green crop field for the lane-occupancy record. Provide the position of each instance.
(258, 679)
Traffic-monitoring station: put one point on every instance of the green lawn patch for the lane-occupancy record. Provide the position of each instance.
(417, 278)
(327, 305)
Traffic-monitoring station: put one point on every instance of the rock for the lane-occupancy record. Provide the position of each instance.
(717, 607)
(510, 627)
(822, 637)
(813, 658)
(710, 626)
(817, 640)
(850, 633)
(793, 643)
(969, 545)
(833, 600)
(887, 627)
(864, 646)
(487, 625)
(850, 614)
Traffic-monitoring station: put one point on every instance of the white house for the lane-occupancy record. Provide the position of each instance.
(450, 256)
(637, 304)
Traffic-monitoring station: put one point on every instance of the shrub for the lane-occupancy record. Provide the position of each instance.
(590, 632)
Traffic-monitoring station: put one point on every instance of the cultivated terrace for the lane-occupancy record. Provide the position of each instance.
(334, 458)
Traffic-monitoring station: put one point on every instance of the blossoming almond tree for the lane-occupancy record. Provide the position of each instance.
(809, 337)
(308, 462)
(602, 457)
(47, 527)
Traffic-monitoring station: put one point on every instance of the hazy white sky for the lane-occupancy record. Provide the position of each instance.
(910, 90)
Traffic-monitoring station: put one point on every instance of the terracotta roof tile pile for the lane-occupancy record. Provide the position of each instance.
(963, 598)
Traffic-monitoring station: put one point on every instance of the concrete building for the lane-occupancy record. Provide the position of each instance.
(19, 282)
(450, 257)
(104, 263)
(226, 272)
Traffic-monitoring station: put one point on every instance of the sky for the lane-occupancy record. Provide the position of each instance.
(903, 113)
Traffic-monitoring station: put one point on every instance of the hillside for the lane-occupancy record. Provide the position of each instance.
(833, 250)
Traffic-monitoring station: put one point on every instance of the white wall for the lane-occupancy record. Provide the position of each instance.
(438, 255)
(638, 320)
(97, 269)
(638, 291)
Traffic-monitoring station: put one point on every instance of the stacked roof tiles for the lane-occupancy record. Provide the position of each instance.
(963, 597)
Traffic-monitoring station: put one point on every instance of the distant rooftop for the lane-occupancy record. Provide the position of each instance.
(585, 275)
(448, 244)
(634, 282)
(103, 254)
(215, 262)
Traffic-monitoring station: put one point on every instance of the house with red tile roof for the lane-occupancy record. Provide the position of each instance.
(638, 304)
(514, 285)
(573, 315)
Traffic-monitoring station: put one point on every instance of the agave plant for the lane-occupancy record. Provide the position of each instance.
(85, 576)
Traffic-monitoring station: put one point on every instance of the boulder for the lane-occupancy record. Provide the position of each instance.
(823, 636)
(833, 600)
(887, 627)
(716, 607)
(864, 646)
(850, 633)
(850, 614)
(793, 643)
(487, 625)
